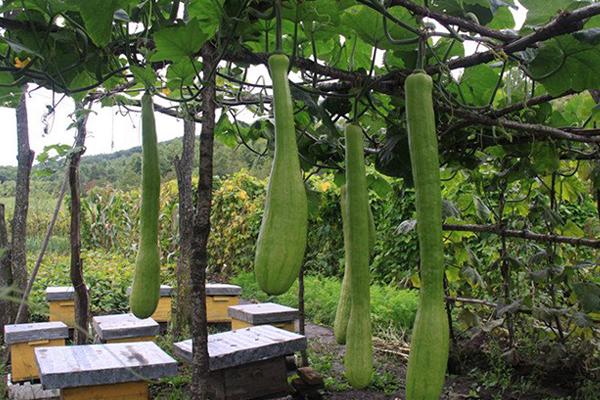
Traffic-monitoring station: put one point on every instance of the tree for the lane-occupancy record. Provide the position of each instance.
(25, 158)
(76, 268)
(183, 169)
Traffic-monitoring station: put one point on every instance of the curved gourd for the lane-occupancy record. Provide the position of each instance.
(145, 290)
(429, 343)
(358, 360)
(342, 314)
(282, 236)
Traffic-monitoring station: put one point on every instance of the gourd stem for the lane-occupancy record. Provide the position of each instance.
(278, 26)
(421, 52)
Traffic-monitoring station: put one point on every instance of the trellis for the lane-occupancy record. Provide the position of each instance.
(321, 80)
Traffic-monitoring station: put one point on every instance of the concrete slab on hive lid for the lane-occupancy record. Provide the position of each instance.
(263, 313)
(243, 346)
(21, 333)
(121, 326)
(58, 293)
(102, 364)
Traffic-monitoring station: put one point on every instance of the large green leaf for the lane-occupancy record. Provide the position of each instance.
(503, 19)
(9, 95)
(80, 81)
(564, 63)
(478, 83)
(182, 73)
(98, 18)
(321, 11)
(368, 25)
(544, 158)
(208, 13)
(588, 294)
(541, 11)
(179, 42)
(580, 107)
(50, 7)
(144, 75)
(481, 9)
(225, 131)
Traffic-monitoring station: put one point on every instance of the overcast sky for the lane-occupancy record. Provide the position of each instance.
(108, 130)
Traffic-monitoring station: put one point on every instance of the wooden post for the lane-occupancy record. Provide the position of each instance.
(302, 319)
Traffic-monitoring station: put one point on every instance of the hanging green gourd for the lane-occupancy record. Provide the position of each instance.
(429, 342)
(358, 360)
(342, 314)
(145, 290)
(282, 236)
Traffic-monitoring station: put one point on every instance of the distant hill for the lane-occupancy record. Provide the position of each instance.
(123, 168)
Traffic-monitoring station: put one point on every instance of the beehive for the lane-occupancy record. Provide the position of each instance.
(24, 338)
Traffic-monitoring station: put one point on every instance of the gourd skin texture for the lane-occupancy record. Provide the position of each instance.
(429, 344)
(282, 236)
(358, 360)
(145, 290)
(342, 314)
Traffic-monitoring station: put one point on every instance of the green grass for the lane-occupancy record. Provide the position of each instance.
(3, 372)
(56, 244)
(390, 307)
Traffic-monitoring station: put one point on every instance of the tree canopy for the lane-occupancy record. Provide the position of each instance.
(500, 92)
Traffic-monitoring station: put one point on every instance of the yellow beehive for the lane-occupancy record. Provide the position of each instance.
(239, 324)
(219, 297)
(124, 328)
(247, 315)
(115, 391)
(163, 309)
(61, 300)
(103, 371)
(24, 338)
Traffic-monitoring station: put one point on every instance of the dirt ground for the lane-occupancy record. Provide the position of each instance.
(322, 344)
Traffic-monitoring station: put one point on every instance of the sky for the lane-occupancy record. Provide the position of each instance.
(108, 130)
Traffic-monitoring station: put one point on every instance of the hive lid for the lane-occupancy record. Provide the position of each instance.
(263, 313)
(102, 364)
(21, 333)
(243, 346)
(122, 326)
(57, 293)
(222, 289)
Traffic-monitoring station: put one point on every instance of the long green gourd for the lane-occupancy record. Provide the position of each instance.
(146, 282)
(358, 360)
(429, 344)
(342, 314)
(282, 236)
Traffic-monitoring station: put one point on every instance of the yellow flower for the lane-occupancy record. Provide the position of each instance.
(242, 195)
(324, 186)
(166, 91)
(22, 63)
